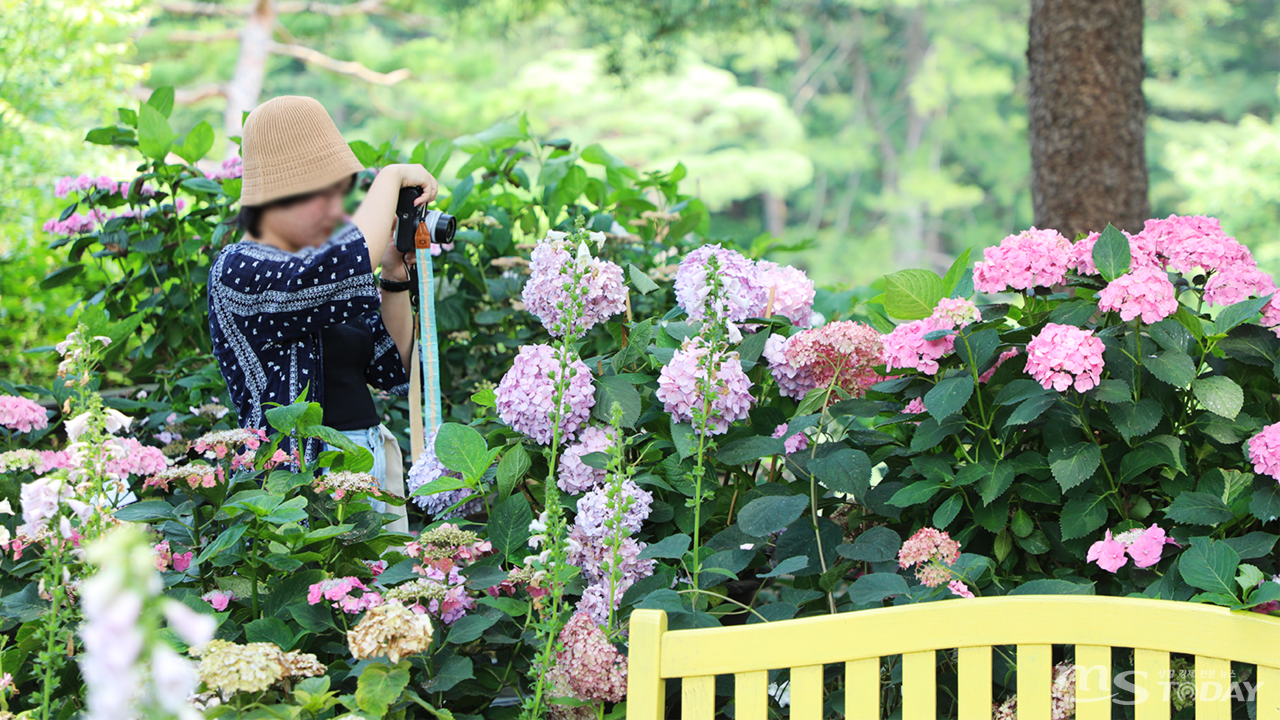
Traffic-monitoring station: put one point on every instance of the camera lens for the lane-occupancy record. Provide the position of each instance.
(442, 227)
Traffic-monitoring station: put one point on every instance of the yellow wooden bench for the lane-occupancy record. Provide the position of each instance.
(1094, 625)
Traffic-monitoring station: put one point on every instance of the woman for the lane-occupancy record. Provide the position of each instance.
(294, 306)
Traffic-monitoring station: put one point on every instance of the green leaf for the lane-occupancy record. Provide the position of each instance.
(948, 397)
(1251, 344)
(452, 671)
(1083, 516)
(436, 155)
(380, 686)
(1111, 253)
(270, 630)
(1019, 390)
(976, 349)
(1046, 586)
(514, 464)
(947, 511)
(161, 100)
(745, 450)
(912, 294)
(61, 276)
(1073, 464)
(155, 137)
(1241, 312)
(364, 152)
(287, 418)
(1265, 504)
(1135, 419)
(672, 547)
(197, 144)
(1172, 336)
(470, 628)
(1075, 313)
(640, 281)
(1112, 391)
(685, 440)
(1031, 409)
(876, 587)
(788, 566)
(995, 483)
(1173, 367)
(1198, 508)
(202, 185)
(499, 136)
(597, 155)
(1210, 566)
(931, 432)
(955, 272)
(463, 450)
(485, 397)
(222, 542)
(772, 514)
(614, 389)
(914, 493)
(1219, 395)
(1253, 545)
(874, 545)
(509, 526)
(145, 511)
(845, 471)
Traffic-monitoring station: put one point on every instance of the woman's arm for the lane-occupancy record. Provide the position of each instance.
(397, 311)
(376, 215)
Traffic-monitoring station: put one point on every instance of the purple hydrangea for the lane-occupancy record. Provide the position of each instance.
(551, 267)
(594, 510)
(595, 557)
(526, 394)
(426, 470)
(576, 476)
(744, 293)
(680, 392)
(791, 290)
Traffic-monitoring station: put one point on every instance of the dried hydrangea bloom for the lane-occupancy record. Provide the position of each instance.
(193, 474)
(931, 552)
(594, 668)
(391, 631)
(346, 483)
(220, 443)
(299, 664)
(232, 668)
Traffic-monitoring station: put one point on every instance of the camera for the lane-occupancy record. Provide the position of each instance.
(417, 227)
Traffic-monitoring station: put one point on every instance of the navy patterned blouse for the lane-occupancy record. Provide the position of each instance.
(267, 308)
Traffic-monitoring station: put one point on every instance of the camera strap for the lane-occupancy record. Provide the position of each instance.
(424, 371)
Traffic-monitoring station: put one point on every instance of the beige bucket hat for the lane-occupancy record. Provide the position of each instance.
(290, 146)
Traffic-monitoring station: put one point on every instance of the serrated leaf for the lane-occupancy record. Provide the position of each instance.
(470, 628)
(1171, 366)
(1135, 419)
(1083, 516)
(1031, 409)
(614, 389)
(462, 449)
(1048, 586)
(947, 511)
(874, 545)
(672, 547)
(1198, 508)
(767, 515)
(1256, 544)
(915, 493)
(1209, 566)
(948, 397)
(1112, 391)
(452, 671)
(509, 526)
(1241, 312)
(912, 294)
(640, 281)
(745, 450)
(845, 471)
(1111, 253)
(1073, 464)
(686, 441)
(994, 484)
(1265, 504)
(788, 566)
(1219, 395)
(976, 349)
(514, 464)
(1075, 313)
(876, 587)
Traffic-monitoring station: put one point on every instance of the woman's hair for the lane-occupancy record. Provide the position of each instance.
(250, 217)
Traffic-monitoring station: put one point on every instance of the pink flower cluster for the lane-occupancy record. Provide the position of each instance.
(788, 292)
(231, 169)
(574, 476)
(843, 353)
(592, 666)
(1032, 258)
(592, 544)
(1142, 292)
(931, 552)
(339, 592)
(1004, 356)
(67, 185)
(1264, 451)
(680, 386)
(743, 292)
(795, 443)
(908, 347)
(1144, 546)
(552, 267)
(134, 458)
(428, 469)
(959, 589)
(193, 474)
(1062, 356)
(219, 599)
(594, 510)
(38, 462)
(218, 444)
(23, 415)
(166, 558)
(526, 394)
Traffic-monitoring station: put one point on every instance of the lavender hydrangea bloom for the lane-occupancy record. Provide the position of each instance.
(526, 394)
(427, 469)
(594, 510)
(576, 476)
(743, 291)
(679, 391)
(551, 267)
(595, 557)
(792, 293)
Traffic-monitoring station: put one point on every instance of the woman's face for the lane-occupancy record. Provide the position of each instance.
(309, 222)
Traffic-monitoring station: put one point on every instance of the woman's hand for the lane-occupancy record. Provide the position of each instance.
(395, 263)
(414, 175)
(377, 213)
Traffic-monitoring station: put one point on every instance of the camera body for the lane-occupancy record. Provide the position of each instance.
(419, 228)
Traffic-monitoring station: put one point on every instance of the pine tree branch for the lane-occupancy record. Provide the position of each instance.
(342, 67)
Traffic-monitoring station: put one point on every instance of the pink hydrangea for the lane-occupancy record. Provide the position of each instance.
(23, 415)
(164, 556)
(958, 588)
(1264, 451)
(1062, 356)
(428, 469)
(573, 475)
(741, 284)
(551, 269)
(1142, 253)
(1108, 553)
(596, 559)
(67, 185)
(1146, 546)
(958, 312)
(134, 458)
(1192, 242)
(680, 391)
(339, 592)
(219, 599)
(906, 347)
(931, 552)
(526, 394)
(1032, 258)
(231, 168)
(915, 407)
(594, 668)
(182, 561)
(788, 292)
(1004, 356)
(594, 511)
(1234, 284)
(1142, 292)
(843, 353)
(797, 442)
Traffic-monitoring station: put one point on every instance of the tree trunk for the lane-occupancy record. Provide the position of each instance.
(245, 88)
(1087, 115)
